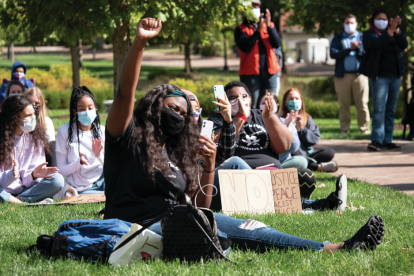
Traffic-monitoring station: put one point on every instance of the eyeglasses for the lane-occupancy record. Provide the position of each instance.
(244, 96)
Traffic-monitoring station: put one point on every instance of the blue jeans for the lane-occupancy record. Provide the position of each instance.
(47, 187)
(385, 92)
(98, 187)
(297, 161)
(258, 83)
(260, 238)
(234, 163)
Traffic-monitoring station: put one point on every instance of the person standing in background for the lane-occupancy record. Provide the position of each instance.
(256, 42)
(383, 63)
(347, 50)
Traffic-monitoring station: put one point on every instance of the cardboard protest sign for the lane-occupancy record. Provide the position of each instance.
(246, 191)
(260, 191)
(286, 193)
(89, 198)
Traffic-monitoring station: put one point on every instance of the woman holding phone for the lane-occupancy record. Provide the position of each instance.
(152, 153)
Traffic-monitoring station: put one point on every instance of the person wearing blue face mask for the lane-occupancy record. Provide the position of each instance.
(79, 147)
(347, 50)
(293, 110)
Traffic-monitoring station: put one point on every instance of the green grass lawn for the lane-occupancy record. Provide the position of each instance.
(20, 227)
(330, 129)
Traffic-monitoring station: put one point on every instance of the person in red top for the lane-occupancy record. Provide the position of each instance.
(256, 42)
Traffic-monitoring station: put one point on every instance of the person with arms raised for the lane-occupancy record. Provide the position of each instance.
(153, 153)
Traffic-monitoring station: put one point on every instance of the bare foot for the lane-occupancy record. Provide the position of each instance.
(15, 200)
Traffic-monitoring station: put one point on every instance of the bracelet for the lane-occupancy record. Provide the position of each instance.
(244, 118)
(208, 171)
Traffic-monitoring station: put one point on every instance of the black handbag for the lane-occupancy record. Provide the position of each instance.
(188, 233)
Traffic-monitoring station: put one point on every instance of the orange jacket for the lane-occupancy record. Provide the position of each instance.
(250, 62)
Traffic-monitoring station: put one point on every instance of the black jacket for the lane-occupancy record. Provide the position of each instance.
(373, 44)
(309, 136)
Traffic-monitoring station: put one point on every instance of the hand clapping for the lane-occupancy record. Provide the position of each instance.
(42, 171)
(83, 159)
(16, 169)
(269, 106)
(97, 146)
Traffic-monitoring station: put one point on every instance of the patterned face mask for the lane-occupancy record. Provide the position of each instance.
(36, 108)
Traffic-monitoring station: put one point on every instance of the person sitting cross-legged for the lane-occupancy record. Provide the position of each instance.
(24, 175)
(79, 146)
(260, 136)
(153, 153)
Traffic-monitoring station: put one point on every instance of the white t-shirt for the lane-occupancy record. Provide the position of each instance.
(81, 177)
(50, 130)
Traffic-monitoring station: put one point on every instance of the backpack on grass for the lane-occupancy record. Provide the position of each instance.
(89, 239)
(188, 233)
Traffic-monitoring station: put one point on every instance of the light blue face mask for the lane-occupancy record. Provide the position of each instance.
(294, 105)
(87, 117)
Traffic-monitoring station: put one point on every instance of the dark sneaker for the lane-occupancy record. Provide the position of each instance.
(368, 237)
(336, 200)
(391, 146)
(330, 166)
(307, 183)
(375, 146)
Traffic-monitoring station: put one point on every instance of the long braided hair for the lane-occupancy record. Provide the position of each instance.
(77, 94)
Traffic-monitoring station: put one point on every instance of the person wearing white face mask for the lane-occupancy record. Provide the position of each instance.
(346, 48)
(256, 40)
(384, 64)
(24, 175)
(79, 147)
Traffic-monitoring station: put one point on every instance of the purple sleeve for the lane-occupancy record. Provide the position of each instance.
(38, 158)
(6, 178)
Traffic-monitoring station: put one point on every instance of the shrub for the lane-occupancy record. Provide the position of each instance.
(203, 88)
(59, 78)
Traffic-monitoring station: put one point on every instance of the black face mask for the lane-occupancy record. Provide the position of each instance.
(171, 123)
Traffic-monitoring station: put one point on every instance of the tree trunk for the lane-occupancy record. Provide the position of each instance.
(187, 59)
(80, 53)
(74, 53)
(10, 51)
(121, 43)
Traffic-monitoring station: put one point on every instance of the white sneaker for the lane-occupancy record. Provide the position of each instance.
(70, 192)
(146, 245)
(342, 191)
(46, 201)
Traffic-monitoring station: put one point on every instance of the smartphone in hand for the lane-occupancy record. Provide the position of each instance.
(207, 128)
(218, 92)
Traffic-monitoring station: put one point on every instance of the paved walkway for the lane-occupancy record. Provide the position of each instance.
(392, 168)
(153, 58)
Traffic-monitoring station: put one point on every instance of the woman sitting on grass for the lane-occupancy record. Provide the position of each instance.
(23, 172)
(308, 131)
(79, 146)
(153, 153)
(36, 96)
(287, 160)
(14, 88)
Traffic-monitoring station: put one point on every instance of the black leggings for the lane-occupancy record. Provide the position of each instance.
(323, 155)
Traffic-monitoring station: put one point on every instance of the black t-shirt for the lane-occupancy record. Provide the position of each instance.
(388, 63)
(253, 143)
(130, 194)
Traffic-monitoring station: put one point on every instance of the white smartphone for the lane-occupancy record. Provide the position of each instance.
(207, 128)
